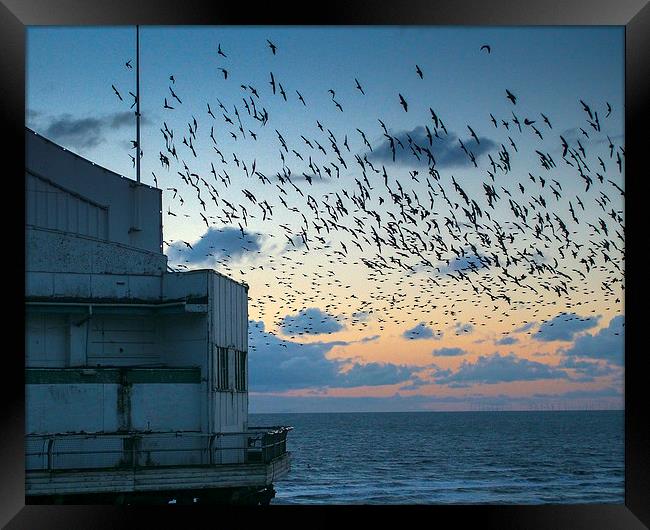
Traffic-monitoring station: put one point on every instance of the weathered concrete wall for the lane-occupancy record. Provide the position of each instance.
(46, 342)
(63, 265)
(61, 408)
(193, 284)
(134, 211)
(184, 341)
(58, 285)
(124, 341)
(52, 251)
(111, 407)
(166, 407)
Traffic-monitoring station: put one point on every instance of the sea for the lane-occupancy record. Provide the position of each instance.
(556, 457)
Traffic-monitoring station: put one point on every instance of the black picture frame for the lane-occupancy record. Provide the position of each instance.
(15, 15)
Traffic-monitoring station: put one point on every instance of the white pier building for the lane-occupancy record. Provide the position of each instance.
(136, 376)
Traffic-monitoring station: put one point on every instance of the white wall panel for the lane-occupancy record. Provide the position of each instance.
(92, 184)
(166, 407)
(56, 408)
(230, 315)
(46, 341)
(52, 207)
(123, 341)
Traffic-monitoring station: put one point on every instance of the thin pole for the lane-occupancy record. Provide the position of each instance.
(137, 100)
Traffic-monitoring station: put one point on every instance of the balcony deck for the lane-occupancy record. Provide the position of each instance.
(154, 462)
(167, 478)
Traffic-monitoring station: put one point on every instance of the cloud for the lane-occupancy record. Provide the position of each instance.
(32, 115)
(276, 364)
(506, 341)
(362, 316)
(584, 394)
(605, 398)
(310, 178)
(463, 263)
(463, 328)
(564, 327)
(369, 339)
(375, 374)
(446, 150)
(448, 352)
(124, 119)
(525, 327)
(421, 331)
(498, 369)
(606, 345)
(310, 321)
(586, 370)
(85, 132)
(77, 132)
(216, 243)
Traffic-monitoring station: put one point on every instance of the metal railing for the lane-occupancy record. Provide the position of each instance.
(144, 450)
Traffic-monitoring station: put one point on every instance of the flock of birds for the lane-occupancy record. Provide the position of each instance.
(418, 244)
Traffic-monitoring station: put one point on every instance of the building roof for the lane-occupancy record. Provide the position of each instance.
(113, 173)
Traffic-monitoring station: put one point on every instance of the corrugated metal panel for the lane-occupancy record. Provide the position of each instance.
(231, 411)
(52, 207)
(230, 314)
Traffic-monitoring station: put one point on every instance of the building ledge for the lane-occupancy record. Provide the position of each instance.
(117, 305)
(105, 375)
(162, 478)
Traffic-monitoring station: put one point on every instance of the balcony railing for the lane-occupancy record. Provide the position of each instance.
(258, 445)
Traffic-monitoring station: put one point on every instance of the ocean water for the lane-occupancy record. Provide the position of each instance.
(452, 457)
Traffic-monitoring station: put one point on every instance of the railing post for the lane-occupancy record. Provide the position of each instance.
(50, 454)
(211, 448)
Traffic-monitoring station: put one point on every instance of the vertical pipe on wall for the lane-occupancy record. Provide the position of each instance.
(137, 101)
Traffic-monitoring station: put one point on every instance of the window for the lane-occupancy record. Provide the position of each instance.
(231, 371)
(240, 371)
(222, 369)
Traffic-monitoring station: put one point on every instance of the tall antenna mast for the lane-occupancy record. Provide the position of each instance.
(137, 101)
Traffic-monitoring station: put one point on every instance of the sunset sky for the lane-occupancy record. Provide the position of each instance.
(438, 326)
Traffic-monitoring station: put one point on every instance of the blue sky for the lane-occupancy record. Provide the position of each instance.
(70, 70)
(323, 325)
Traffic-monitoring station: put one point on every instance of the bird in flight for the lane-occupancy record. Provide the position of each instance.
(128, 64)
(225, 73)
(359, 86)
(301, 98)
(474, 135)
(402, 102)
(272, 46)
(404, 232)
(175, 96)
(116, 92)
(272, 82)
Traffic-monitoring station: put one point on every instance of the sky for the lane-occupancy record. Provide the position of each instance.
(377, 284)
